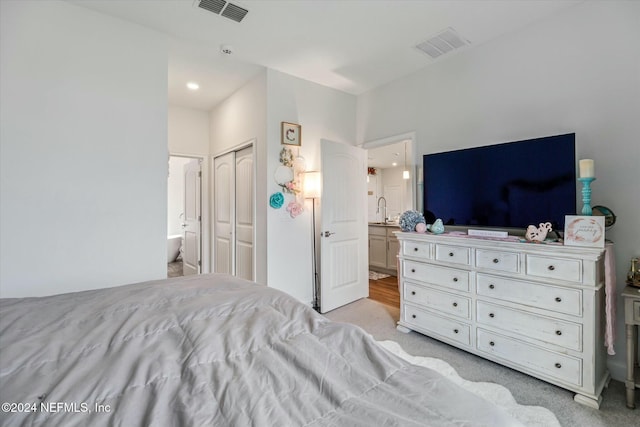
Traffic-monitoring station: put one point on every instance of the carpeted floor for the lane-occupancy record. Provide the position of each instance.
(380, 321)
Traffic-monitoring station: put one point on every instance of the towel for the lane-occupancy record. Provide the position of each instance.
(610, 298)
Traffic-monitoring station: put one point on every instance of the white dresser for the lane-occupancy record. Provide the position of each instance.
(536, 308)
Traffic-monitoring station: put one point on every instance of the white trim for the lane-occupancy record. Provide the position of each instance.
(411, 137)
(205, 224)
(243, 145)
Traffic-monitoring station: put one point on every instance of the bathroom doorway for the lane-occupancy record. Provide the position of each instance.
(184, 216)
(392, 186)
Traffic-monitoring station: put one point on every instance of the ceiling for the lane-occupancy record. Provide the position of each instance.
(353, 46)
(385, 156)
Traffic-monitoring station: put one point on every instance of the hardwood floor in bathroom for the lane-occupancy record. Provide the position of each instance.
(385, 291)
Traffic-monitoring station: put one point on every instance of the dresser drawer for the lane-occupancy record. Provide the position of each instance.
(498, 260)
(555, 268)
(545, 329)
(548, 297)
(416, 250)
(545, 362)
(456, 331)
(436, 300)
(440, 276)
(453, 254)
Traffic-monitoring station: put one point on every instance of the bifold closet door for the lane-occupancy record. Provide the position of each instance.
(234, 213)
(224, 213)
(244, 209)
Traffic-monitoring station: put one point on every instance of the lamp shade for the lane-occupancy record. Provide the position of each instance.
(312, 184)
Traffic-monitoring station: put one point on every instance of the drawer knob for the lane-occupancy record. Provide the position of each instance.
(491, 343)
(455, 304)
(558, 332)
(415, 249)
(413, 292)
(413, 315)
(496, 260)
(551, 268)
(492, 286)
(558, 299)
(450, 253)
(455, 331)
(413, 270)
(558, 365)
(492, 315)
(455, 279)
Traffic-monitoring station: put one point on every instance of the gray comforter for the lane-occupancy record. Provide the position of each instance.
(209, 351)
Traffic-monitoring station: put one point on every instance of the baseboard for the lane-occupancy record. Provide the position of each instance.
(617, 369)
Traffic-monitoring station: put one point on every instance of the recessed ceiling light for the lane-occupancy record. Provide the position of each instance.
(394, 164)
(193, 86)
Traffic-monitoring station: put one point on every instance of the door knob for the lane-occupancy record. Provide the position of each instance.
(328, 233)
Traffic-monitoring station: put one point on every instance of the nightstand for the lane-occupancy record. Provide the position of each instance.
(631, 297)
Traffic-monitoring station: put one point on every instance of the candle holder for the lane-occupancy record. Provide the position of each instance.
(586, 194)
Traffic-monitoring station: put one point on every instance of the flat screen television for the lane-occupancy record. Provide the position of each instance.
(508, 185)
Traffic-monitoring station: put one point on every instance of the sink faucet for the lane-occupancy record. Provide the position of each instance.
(385, 208)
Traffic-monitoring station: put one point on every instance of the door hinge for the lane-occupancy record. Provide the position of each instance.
(199, 218)
(199, 263)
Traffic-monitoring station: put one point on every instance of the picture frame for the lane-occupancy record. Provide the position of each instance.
(584, 230)
(291, 134)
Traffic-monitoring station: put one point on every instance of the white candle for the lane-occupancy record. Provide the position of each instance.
(587, 169)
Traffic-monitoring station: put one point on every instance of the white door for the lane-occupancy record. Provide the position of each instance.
(224, 214)
(192, 218)
(244, 196)
(343, 243)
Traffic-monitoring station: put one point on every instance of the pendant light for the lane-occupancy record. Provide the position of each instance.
(405, 172)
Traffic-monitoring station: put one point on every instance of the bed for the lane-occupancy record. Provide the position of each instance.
(210, 350)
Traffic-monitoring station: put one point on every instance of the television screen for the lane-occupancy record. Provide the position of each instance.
(509, 185)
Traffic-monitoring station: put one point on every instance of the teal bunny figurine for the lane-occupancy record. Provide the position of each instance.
(437, 227)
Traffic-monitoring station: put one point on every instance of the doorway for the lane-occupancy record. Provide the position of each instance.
(184, 216)
(392, 183)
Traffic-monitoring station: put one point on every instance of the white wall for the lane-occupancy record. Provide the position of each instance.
(578, 71)
(322, 113)
(188, 131)
(83, 106)
(237, 120)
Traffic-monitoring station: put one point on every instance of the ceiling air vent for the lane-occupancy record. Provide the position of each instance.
(223, 8)
(443, 42)
(234, 12)
(214, 6)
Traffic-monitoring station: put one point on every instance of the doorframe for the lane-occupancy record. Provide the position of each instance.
(411, 137)
(211, 238)
(205, 266)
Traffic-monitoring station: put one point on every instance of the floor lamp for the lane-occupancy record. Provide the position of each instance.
(312, 191)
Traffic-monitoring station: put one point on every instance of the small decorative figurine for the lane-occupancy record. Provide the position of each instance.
(534, 234)
(437, 227)
(421, 227)
(409, 219)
